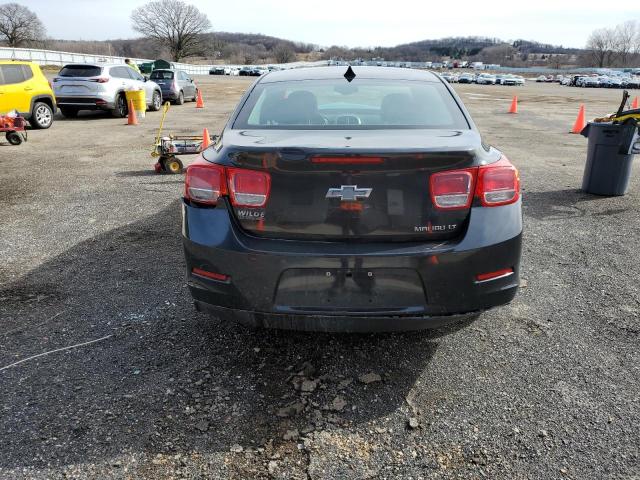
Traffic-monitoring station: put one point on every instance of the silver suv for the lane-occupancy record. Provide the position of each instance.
(101, 87)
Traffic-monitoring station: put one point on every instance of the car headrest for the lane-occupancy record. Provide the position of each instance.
(396, 108)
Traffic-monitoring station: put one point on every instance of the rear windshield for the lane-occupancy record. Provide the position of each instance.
(161, 75)
(80, 71)
(362, 104)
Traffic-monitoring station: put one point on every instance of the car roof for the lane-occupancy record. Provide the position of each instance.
(99, 65)
(331, 73)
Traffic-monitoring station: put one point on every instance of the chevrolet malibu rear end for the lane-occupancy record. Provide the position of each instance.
(351, 201)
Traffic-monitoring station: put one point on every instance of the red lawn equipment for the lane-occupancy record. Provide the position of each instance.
(14, 127)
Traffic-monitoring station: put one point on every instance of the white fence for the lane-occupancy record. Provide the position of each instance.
(52, 57)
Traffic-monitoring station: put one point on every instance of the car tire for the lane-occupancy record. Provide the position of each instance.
(69, 112)
(121, 110)
(195, 95)
(180, 99)
(14, 138)
(41, 116)
(156, 101)
(172, 165)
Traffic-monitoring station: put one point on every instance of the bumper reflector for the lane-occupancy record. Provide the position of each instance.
(484, 277)
(212, 275)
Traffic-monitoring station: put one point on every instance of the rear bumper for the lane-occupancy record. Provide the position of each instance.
(262, 288)
(169, 94)
(86, 102)
(333, 323)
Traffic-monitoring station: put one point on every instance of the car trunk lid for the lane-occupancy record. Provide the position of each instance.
(351, 185)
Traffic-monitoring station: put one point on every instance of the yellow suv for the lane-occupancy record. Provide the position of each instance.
(23, 87)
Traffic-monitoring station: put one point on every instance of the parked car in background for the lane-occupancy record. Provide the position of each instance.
(631, 82)
(23, 87)
(246, 71)
(604, 81)
(611, 82)
(450, 77)
(259, 71)
(486, 79)
(89, 86)
(541, 79)
(234, 71)
(576, 80)
(466, 78)
(509, 80)
(590, 82)
(379, 207)
(176, 85)
(217, 71)
(520, 81)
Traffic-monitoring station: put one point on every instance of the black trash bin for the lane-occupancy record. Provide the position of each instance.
(609, 158)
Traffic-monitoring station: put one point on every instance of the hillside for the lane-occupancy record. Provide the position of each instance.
(247, 48)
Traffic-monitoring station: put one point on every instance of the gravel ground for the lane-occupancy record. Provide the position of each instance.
(547, 387)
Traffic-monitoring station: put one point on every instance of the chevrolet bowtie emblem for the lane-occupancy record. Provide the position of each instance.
(349, 193)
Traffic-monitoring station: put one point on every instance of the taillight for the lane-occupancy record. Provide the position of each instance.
(248, 188)
(205, 183)
(452, 190)
(498, 184)
(99, 79)
(495, 184)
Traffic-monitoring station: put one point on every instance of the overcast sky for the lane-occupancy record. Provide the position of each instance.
(355, 22)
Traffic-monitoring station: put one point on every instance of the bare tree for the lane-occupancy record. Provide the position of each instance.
(625, 37)
(283, 53)
(19, 26)
(601, 44)
(174, 24)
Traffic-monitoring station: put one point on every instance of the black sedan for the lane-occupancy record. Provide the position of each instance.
(357, 200)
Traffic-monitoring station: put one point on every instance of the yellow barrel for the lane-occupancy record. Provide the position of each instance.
(139, 101)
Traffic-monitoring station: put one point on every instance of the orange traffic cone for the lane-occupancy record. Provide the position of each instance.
(199, 101)
(634, 104)
(580, 121)
(132, 119)
(205, 139)
(514, 105)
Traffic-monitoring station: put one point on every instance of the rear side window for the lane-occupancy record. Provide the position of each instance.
(14, 74)
(28, 73)
(121, 72)
(161, 75)
(80, 71)
(135, 75)
(363, 104)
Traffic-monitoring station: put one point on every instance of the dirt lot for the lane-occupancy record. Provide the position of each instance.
(548, 387)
